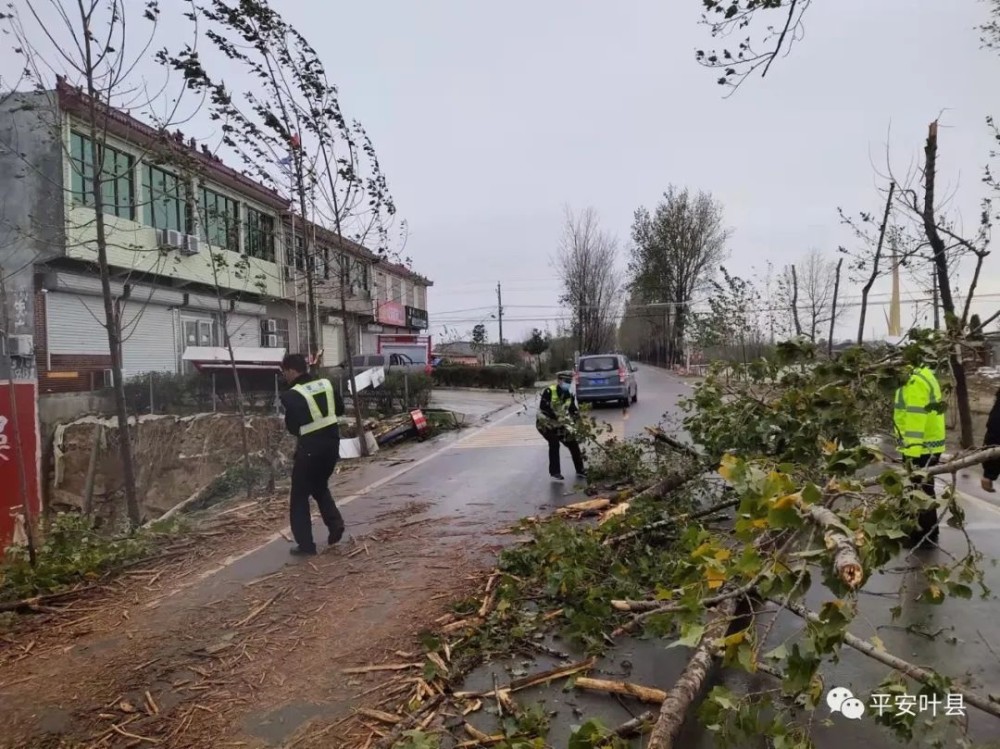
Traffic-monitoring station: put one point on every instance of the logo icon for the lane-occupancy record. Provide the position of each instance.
(842, 700)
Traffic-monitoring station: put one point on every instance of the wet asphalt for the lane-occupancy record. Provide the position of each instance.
(495, 472)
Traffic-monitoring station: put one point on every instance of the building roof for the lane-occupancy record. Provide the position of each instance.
(127, 127)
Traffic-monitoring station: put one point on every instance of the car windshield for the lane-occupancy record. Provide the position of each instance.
(599, 364)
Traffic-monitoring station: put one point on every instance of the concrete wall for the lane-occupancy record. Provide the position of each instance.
(31, 208)
(60, 408)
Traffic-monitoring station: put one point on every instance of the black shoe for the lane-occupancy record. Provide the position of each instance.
(556, 476)
(298, 551)
(581, 475)
(335, 536)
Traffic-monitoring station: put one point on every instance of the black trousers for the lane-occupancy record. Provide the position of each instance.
(311, 478)
(927, 519)
(555, 438)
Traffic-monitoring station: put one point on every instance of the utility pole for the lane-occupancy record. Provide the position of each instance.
(500, 312)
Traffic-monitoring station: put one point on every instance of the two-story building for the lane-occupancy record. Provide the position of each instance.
(191, 243)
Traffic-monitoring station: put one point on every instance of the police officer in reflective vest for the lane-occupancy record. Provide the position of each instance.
(556, 404)
(920, 432)
(313, 412)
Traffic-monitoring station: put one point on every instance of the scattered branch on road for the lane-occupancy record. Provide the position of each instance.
(787, 445)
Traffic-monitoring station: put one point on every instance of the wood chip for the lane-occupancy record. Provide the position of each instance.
(379, 715)
(381, 667)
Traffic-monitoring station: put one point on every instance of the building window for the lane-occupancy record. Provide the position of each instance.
(421, 297)
(166, 205)
(220, 219)
(117, 176)
(202, 331)
(260, 235)
(397, 290)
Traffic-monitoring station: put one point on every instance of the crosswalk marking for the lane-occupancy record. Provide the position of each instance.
(525, 435)
(520, 435)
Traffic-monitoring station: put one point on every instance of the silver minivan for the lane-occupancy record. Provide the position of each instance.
(606, 377)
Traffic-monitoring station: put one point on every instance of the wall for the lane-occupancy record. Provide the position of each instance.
(174, 456)
(31, 220)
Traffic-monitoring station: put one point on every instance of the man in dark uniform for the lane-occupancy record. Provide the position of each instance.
(556, 408)
(313, 410)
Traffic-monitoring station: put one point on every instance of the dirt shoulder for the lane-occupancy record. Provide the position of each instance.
(261, 661)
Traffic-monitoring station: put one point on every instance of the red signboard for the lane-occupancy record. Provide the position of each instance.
(392, 313)
(18, 447)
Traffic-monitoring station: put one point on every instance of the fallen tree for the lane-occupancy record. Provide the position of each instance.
(799, 505)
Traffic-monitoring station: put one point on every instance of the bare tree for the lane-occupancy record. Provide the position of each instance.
(946, 247)
(593, 286)
(815, 291)
(84, 42)
(294, 117)
(677, 252)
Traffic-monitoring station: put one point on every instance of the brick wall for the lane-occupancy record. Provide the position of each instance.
(69, 373)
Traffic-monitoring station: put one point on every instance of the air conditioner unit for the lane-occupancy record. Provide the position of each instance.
(175, 239)
(271, 341)
(191, 246)
(272, 325)
(22, 346)
(161, 238)
(109, 378)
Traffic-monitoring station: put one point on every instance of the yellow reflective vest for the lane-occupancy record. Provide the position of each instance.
(920, 430)
(309, 391)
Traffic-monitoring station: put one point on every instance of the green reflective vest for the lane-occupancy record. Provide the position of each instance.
(558, 405)
(919, 429)
(309, 391)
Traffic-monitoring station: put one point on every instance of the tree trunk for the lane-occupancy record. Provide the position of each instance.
(689, 684)
(359, 416)
(833, 309)
(875, 261)
(112, 320)
(795, 302)
(952, 322)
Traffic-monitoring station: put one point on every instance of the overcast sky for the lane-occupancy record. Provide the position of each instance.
(490, 118)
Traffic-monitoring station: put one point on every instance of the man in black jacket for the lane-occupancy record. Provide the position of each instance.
(991, 468)
(313, 410)
(555, 410)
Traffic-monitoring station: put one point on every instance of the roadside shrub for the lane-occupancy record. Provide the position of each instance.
(71, 551)
(185, 394)
(497, 378)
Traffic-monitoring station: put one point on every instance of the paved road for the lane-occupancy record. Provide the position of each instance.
(483, 477)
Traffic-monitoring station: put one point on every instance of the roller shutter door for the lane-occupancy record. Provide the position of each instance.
(244, 330)
(333, 345)
(75, 324)
(148, 339)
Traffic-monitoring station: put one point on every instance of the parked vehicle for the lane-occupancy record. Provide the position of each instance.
(389, 362)
(606, 377)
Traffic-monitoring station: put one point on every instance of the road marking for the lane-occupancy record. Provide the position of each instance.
(286, 531)
(519, 435)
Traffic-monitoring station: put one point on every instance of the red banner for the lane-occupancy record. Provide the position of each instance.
(392, 313)
(18, 447)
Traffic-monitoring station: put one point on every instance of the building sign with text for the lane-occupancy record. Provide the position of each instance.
(392, 313)
(416, 318)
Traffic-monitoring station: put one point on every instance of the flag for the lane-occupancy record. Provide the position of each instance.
(296, 143)
(286, 165)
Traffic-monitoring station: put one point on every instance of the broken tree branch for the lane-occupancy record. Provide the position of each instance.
(680, 698)
(905, 667)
